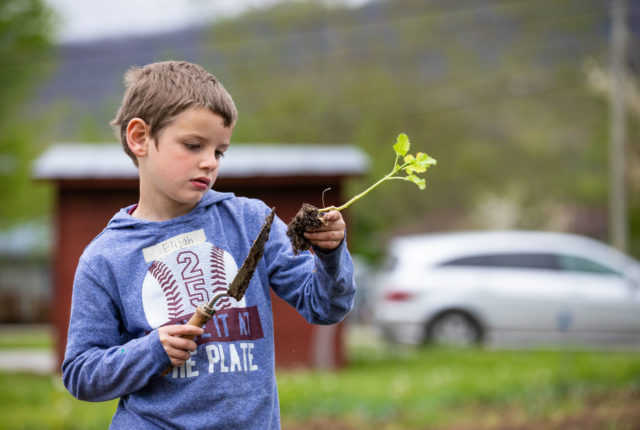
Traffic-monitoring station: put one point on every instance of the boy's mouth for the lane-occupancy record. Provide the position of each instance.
(201, 183)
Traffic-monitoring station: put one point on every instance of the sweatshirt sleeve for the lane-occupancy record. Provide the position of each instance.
(102, 361)
(320, 285)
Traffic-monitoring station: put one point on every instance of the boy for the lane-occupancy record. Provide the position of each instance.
(143, 276)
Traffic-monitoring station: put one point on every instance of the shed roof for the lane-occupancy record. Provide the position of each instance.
(108, 161)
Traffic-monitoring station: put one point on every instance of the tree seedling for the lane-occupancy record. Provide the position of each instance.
(406, 167)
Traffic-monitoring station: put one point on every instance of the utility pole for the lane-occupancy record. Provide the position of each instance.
(617, 181)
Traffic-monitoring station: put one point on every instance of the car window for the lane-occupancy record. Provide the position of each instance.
(508, 260)
(573, 263)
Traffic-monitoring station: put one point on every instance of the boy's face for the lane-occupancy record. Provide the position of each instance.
(181, 165)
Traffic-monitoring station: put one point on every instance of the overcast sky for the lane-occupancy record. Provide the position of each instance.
(90, 20)
(87, 19)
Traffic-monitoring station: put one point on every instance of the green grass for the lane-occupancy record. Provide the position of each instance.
(41, 402)
(32, 337)
(413, 387)
(383, 387)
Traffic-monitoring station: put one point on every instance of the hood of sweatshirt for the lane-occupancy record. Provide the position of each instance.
(123, 220)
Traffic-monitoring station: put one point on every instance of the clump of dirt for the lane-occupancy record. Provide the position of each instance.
(308, 218)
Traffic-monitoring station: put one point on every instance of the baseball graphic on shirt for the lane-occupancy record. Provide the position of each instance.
(178, 282)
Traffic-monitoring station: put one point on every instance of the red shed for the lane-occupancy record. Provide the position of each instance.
(93, 181)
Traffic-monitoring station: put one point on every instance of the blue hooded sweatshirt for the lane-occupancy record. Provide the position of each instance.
(138, 275)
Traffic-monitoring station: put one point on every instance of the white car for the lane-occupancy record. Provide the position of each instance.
(508, 288)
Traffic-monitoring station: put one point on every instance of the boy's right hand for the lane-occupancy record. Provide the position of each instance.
(178, 348)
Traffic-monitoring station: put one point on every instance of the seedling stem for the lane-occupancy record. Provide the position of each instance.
(410, 166)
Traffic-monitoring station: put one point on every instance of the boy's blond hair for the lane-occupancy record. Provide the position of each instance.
(158, 92)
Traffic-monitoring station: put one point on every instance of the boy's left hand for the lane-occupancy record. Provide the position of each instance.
(330, 234)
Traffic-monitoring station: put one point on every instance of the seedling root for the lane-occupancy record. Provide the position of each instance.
(307, 219)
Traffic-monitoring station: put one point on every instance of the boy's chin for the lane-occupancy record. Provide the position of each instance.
(196, 198)
(191, 200)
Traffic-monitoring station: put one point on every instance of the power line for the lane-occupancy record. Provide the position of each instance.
(391, 22)
(395, 22)
(335, 68)
(539, 25)
(406, 48)
(433, 40)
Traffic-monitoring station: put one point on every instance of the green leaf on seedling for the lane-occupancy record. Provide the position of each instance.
(424, 160)
(402, 145)
(420, 163)
(420, 182)
(409, 162)
(411, 165)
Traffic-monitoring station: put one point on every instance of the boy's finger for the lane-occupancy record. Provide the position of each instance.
(178, 353)
(333, 226)
(324, 235)
(182, 329)
(177, 356)
(333, 216)
(189, 345)
(326, 244)
(181, 343)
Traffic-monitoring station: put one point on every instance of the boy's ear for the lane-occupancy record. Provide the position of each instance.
(138, 137)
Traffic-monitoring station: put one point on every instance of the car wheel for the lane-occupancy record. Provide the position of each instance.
(454, 329)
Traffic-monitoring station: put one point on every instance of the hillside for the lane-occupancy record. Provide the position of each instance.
(496, 90)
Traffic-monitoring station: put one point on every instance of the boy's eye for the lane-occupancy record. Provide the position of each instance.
(219, 154)
(192, 146)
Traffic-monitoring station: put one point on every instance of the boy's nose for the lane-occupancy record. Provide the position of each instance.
(209, 161)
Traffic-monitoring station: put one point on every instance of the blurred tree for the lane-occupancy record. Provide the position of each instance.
(25, 27)
(495, 90)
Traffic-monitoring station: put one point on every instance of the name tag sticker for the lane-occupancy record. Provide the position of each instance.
(156, 252)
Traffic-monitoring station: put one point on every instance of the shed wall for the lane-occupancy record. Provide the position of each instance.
(84, 208)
